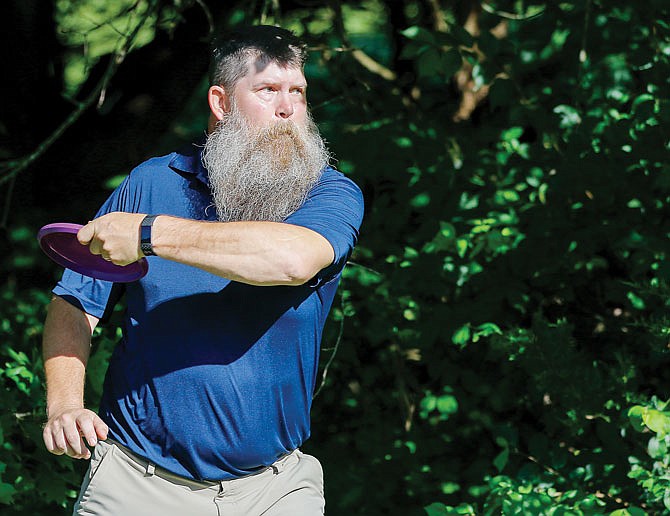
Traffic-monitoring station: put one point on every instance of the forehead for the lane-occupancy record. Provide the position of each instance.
(271, 71)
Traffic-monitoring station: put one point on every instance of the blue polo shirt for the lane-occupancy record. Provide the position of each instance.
(213, 379)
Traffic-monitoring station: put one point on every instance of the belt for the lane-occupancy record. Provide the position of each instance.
(150, 468)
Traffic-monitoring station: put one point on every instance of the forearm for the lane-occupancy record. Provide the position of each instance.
(259, 253)
(66, 348)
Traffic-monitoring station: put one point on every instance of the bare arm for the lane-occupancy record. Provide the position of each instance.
(263, 253)
(257, 253)
(66, 347)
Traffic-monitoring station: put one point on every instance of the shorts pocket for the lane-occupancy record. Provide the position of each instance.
(101, 451)
(101, 460)
(313, 471)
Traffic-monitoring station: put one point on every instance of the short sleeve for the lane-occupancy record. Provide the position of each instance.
(334, 209)
(88, 294)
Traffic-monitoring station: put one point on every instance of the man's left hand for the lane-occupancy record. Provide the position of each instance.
(115, 236)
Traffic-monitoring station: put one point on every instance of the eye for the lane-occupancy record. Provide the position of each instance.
(266, 91)
(298, 91)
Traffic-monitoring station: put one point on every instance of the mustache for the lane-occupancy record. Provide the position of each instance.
(282, 139)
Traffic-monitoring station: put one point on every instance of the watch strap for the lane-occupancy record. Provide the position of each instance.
(145, 235)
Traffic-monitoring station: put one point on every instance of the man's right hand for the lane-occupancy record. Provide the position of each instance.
(66, 430)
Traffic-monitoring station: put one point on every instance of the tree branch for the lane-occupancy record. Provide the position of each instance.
(439, 23)
(373, 66)
(359, 55)
(208, 14)
(510, 16)
(11, 168)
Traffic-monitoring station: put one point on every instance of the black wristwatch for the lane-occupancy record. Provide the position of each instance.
(145, 235)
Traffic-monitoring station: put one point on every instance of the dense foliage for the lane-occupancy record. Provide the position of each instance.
(501, 335)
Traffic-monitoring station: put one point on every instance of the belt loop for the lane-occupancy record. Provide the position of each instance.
(280, 463)
(151, 468)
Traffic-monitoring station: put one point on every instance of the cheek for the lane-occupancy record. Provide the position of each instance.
(254, 109)
(299, 109)
(300, 115)
(261, 112)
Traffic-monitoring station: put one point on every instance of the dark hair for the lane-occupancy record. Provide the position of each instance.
(232, 52)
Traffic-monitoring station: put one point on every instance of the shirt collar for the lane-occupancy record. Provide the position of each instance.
(189, 160)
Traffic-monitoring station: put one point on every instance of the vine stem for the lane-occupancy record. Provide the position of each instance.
(335, 348)
(587, 15)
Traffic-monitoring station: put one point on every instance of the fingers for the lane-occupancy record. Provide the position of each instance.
(101, 428)
(72, 440)
(87, 431)
(70, 432)
(66, 441)
(114, 236)
(86, 234)
(49, 441)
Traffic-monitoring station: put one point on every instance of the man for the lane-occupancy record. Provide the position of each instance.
(207, 396)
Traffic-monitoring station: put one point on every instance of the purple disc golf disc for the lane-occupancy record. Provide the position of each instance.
(59, 242)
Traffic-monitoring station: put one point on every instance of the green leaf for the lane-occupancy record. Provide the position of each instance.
(447, 404)
(488, 328)
(420, 34)
(635, 300)
(635, 417)
(7, 492)
(429, 63)
(513, 133)
(447, 230)
(436, 509)
(645, 98)
(500, 461)
(461, 336)
(656, 448)
(113, 182)
(630, 511)
(450, 487)
(451, 62)
(461, 246)
(569, 116)
(429, 403)
(657, 421)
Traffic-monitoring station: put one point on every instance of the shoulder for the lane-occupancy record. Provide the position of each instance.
(157, 172)
(336, 193)
(334, 181)
(153, 166)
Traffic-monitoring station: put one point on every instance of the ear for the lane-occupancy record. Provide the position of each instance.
(219, 103)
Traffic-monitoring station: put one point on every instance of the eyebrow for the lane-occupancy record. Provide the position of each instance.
(274, 83)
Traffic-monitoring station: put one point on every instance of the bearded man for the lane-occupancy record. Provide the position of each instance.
(207, 396)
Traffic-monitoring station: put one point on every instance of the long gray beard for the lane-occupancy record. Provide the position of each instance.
(262, 173)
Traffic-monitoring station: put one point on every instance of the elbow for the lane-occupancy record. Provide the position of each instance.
(298, 271)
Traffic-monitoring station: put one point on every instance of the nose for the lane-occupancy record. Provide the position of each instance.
(284, 108)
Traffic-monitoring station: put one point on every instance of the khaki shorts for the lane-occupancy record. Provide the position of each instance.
(119, 483)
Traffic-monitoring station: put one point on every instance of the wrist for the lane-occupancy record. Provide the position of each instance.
(53, 409)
